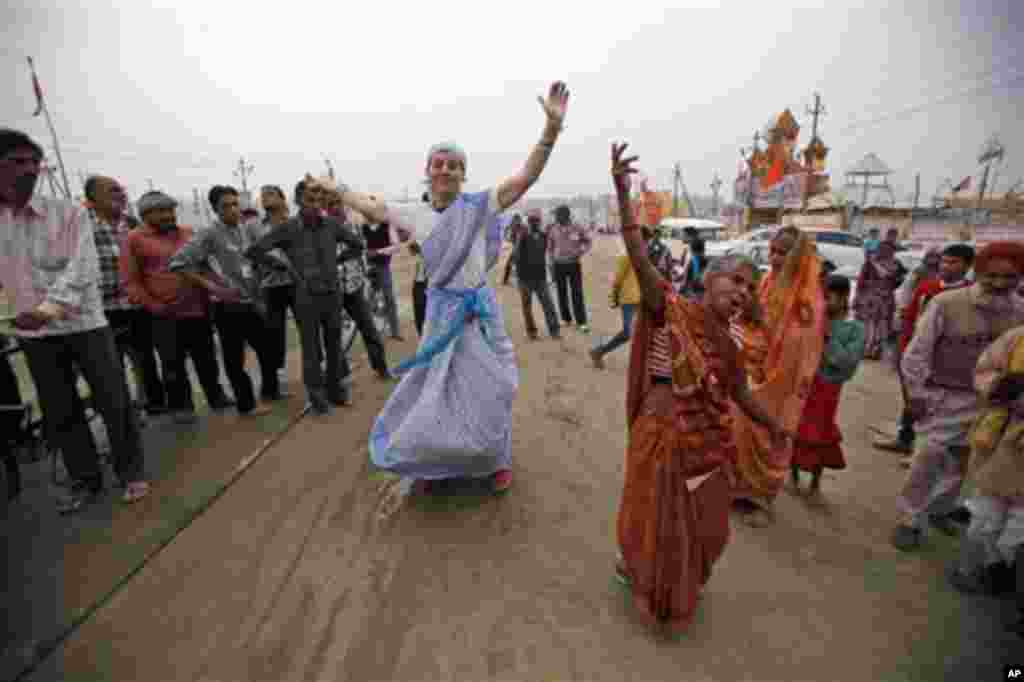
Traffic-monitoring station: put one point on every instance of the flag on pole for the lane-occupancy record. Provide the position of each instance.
(964, 184)
(35, 86)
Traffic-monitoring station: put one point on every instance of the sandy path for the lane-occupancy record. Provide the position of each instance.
(289, 577)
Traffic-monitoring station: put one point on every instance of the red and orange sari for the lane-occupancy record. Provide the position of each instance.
(673, 521)
(781, 356)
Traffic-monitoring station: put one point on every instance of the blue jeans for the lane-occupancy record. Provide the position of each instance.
(628, 309)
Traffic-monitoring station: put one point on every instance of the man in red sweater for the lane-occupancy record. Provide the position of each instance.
(181, 325)
(953, 268)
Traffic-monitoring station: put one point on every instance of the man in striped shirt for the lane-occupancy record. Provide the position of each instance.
(131, 323)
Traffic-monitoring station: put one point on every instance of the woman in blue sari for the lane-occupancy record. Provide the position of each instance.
(451, 414)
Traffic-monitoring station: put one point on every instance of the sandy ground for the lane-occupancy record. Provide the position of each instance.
(290, 577)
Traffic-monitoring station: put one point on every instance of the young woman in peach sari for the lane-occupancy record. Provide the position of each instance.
(781, 354)
(684, 375)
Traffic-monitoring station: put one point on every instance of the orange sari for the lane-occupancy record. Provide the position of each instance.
(781, 357)
(673, 520)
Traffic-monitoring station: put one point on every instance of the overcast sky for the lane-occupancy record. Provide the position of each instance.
(176, 92)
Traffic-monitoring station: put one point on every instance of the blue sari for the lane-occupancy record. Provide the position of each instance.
(451, 414)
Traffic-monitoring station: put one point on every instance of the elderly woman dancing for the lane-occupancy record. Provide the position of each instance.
(684, 372)
(451, 414)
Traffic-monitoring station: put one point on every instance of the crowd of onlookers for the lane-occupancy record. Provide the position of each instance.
(92, 286)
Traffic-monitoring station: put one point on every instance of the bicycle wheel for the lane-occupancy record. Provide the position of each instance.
(379, 310)
(348, 331)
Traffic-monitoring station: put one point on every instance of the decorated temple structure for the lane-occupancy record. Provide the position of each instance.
(779, 181)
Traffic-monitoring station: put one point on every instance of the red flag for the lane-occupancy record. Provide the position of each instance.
(964, 184)
(775, 173)
(38, 90)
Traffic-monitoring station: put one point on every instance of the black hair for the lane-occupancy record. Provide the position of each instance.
(276, 189)
(90, 187)
(697, 246)
(11, 139)
(961, 251)
(426, 197)
(838, 284)
(828, 267)
(218, 191)
(563, 210)
(300, 187)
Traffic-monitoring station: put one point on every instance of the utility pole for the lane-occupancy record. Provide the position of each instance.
(196, 203)
(716, 185)
(992, 151)
(243, 172)
(818, 110)
(679, 188)
(917, 189)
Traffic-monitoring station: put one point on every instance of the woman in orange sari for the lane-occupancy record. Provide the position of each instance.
(781, 353)
(684, 374)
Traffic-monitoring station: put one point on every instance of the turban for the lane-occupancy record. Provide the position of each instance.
(1011, 251)
(154, 200)
(447, 148)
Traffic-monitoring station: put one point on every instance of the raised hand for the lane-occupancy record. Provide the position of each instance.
(556, 104)
(622, 167)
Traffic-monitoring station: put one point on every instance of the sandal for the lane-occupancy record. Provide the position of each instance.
(502, 481)
(135, 491)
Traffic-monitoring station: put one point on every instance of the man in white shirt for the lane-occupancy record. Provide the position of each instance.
(49, 271)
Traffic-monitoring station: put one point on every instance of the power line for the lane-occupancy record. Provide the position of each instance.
(927, 105)
(969, 75)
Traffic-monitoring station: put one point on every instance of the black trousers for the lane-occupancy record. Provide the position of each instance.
(238, 325)
(419, 304)
(359, 310)
(133, 332)
(52, 360)
(279, 300)
(180, 339)
(570, 276)
(527, 289)
(10, 422)
(319, 318)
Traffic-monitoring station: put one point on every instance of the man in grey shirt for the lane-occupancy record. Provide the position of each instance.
(238, 312)
(310, 241)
